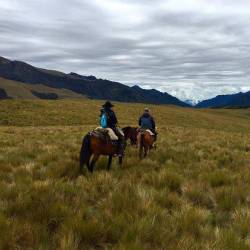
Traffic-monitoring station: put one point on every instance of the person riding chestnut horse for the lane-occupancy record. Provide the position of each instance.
(98, 142)
(108, 120)
(147, 134)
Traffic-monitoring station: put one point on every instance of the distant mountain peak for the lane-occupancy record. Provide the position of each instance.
(4, 60)
(192, 102)
(136, 87)
(73, 74)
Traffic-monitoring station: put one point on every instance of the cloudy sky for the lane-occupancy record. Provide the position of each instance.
(193, 49)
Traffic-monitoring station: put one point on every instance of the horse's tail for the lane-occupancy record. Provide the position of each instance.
(142, 141)
(85, 152)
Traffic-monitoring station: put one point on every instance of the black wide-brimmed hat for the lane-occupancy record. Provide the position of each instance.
(108, 104)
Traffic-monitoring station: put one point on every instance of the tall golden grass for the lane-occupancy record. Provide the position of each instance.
(193, 192)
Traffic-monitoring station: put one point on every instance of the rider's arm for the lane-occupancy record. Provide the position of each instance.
(139, 122)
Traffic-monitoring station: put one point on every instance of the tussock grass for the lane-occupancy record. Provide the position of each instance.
(192, 192)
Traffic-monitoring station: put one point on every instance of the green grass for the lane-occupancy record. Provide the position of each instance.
(193, 192)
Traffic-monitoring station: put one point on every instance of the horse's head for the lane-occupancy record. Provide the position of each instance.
(131, 134)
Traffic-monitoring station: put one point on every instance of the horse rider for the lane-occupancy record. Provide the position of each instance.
(112, 122)
(146, 121)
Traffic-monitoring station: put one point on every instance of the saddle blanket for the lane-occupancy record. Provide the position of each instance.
(148, 130)
(111, 134)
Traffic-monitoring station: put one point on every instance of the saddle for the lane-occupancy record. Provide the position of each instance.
(142, 131)
(104, 134)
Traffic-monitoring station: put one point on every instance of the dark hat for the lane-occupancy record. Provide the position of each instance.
(108, 104)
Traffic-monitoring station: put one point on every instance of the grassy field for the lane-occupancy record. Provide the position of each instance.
(193, 192)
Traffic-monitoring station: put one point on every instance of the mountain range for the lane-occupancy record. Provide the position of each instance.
(239, 100)
(21, 80)
(21, 74)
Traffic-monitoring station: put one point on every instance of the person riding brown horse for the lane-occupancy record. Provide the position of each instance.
(95, 144)
(147, 121)
(112, 122)
(147, 133)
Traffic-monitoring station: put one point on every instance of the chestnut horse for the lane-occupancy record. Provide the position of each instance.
(131, 134)
(145, 142)
(94, 147)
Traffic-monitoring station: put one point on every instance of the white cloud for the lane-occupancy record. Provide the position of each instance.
(191, 49)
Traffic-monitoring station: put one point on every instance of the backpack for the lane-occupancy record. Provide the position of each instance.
(104, 120)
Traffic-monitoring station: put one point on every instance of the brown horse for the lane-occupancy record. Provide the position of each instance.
(145, 142)
(131, 134)
(94, 147)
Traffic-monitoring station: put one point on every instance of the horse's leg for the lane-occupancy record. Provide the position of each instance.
(110, 162)
(141, 152)
(120, 160)
(92, 164)
(145, 151)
